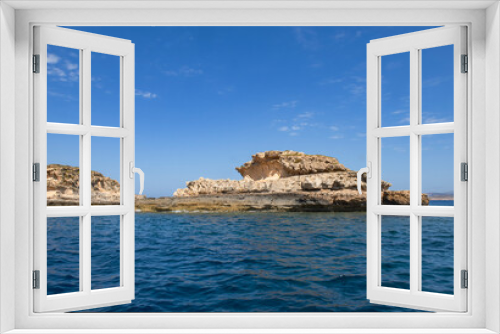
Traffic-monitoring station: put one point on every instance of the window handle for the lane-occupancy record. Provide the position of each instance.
(139, 171)
(368, 171)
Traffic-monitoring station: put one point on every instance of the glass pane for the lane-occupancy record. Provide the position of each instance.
(437, 254)
(437, 84)
(105, 171)
(396, 252)
(63, 255)
(105, 252)
(63, 85)
(437, 168)
(63, 172)
(395, 166)
(395, 89)
(105, 90)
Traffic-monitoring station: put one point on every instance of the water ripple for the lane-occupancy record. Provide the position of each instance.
(251, 262)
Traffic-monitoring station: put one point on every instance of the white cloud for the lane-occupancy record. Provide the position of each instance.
(358, 79)
(225, 90)
(71, 66)
(433, 82)
(62, 70)
(337, 137)
(184, 71)
(355, 85)
(307, 38)
(433, 119)
(290, 104)
(334, 128)
(331, 81)
(340, 35)
(284, 128)
(356, 89)
(70, 73)
(400, 111)
(290, 129)
(307, 114)
(52, 58)
(144, 94)
(298, 124)
(61, 96)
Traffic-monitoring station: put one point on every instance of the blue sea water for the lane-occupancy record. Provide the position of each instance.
(251, 262)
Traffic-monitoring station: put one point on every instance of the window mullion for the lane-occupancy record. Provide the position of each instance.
(415, 171)
(85, 255)
(85, 173)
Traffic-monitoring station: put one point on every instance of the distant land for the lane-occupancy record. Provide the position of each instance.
(448, 196)
(280, 181)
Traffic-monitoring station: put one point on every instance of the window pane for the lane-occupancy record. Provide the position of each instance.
(396, 252)
(105, 171)
(105, 90)
(63, 85)
(437, 167)
(105, 252)
(63, 255)
(395, 89)
(437, 84)
(395, 166)
(63, 172)
(437, 254)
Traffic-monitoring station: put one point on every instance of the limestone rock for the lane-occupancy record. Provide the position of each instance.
(63, 187)
(398, 197)
(280, 164)
(272, 181)
(292, 175)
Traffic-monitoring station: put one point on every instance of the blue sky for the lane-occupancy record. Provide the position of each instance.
(207, 98)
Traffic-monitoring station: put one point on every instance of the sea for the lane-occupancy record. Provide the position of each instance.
(250, 262)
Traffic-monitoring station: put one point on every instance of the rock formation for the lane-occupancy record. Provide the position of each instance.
(272, 181)
(63, 186)
(311, 182)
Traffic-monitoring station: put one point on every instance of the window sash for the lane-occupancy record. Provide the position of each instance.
(414, 297)
(86, 297)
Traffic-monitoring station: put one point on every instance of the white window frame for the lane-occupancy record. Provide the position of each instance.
(482, 19)
(85, 43)
(414, 44)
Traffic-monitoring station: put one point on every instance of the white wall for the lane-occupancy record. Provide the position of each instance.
(7, 160)
(492, 166)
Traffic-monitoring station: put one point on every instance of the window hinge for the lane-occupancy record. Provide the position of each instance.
(36, 172)
(36, 279)
(36, 63)
(464, 171)
(465, 64)
(465, 279)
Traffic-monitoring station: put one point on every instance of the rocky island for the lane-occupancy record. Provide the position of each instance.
(272, 181)
(278, 181)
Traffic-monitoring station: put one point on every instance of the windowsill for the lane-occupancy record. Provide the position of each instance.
(256, 331)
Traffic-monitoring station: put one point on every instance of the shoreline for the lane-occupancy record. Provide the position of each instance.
(243, 203)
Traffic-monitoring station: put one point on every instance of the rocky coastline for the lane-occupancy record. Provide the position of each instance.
(280, 181)
(63, 187)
